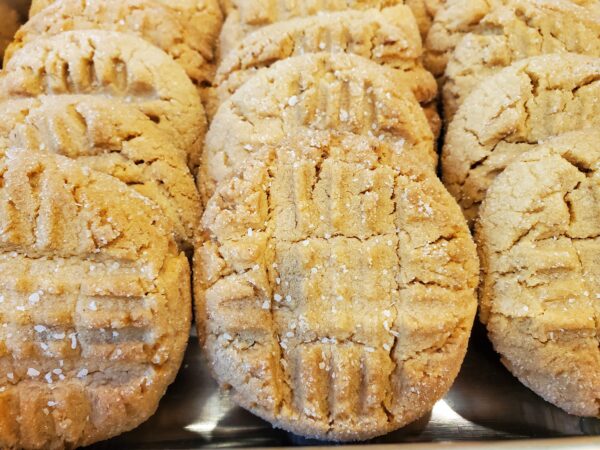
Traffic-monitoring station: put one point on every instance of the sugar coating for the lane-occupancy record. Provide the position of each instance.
(346, 313)
(537, 235)
(98, 259)
(508, 113)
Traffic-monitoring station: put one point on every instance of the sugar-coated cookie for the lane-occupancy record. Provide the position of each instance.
(334, 285)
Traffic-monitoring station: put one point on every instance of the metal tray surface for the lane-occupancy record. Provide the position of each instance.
(486, 404)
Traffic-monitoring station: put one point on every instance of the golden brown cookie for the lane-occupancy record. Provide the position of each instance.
(246, 16)
(334, 286)
(538, 240)
(506, 114)
(388, 37)
(9, 24)
(318, 91)
(186, 29)
(424, 11)
(115, 65)
(510, 33)
(94, 304)
(111, 137)
(459, 17)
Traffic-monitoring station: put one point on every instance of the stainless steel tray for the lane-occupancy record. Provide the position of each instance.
(485, 404)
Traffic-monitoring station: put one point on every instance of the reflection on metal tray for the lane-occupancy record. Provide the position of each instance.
(486, 403)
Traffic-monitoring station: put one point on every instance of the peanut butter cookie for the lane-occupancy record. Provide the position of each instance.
(388, 37)
(538, 240)
(318, 91)
(510, 33)
(424, 11)
(459, 17)
(509, 112)
(246, 16)
(115, 65)
(334, 286)
(94, 304)
(112, 137)
(186, 30)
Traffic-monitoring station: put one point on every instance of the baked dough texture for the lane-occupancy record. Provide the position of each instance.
(319, 91)
(510, 112)
(510, 33)
(245, 16)
(94, 304)
(334, 286)
(185, 29)
(459, 17)
(538, 240)
(114, 65)
(388, 37)
(112, 137)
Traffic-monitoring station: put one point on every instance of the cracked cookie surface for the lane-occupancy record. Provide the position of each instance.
(334, 286)
(116, 65)
(388, 37)
(246, 16)
(111, 137)
(459, 17)
(538, 240)
(186, 29)
(94, 304)
(510, 33)
(528, 102)
(318, 91)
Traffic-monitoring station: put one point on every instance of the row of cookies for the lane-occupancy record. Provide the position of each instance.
(334, 276)
(521, 97)
(100, 131)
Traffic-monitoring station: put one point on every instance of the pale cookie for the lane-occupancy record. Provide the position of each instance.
(424, 11)
(9, 24)
(538, 239)
(319, 91)
(335, 286)
(246, 16)
(459, 17)
(94, 302)
(508, 34)
(186, 29)
(388, 37)
(116, 65)
(506, 114)
(111, 137)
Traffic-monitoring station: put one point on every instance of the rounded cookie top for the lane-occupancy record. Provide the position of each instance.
(187, 31)
(94, 304)
(538, 240)
(246, 16)
(389, 37)
(530, 101)
(334, 286)
(112, 137)
(511, 33)
(425, 11)
(115, 65)
(318, 91)
(459, 17)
